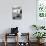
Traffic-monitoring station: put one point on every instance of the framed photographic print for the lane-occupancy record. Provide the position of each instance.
(16, 13)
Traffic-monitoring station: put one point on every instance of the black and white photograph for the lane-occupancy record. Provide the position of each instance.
(16, 13)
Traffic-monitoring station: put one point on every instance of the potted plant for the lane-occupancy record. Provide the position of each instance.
(39, 36)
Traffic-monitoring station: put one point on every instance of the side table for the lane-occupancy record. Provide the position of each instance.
(9, 34)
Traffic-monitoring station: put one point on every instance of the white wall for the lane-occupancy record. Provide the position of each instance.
(28, 15)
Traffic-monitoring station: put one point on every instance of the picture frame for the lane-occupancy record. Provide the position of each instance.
(16, 13)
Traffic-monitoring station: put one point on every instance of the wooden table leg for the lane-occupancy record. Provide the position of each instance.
(5, 40)
(16, 41)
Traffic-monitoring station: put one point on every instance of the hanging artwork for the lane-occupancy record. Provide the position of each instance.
(16, 13)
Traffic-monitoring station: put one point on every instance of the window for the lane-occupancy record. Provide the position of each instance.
(41, 8)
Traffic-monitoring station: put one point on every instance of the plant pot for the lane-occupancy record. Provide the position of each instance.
(40, 41)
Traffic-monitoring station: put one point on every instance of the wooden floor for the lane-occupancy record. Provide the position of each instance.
(13, 44)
